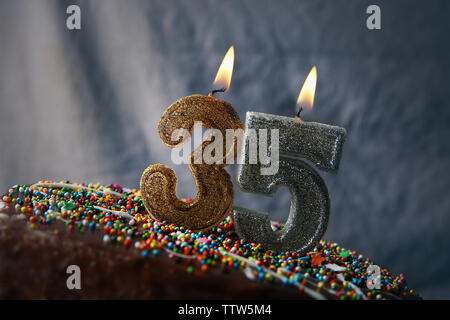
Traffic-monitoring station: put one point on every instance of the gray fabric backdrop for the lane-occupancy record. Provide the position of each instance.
(84, 105)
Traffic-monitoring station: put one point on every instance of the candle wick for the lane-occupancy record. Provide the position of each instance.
(297, 118)
(211, 94)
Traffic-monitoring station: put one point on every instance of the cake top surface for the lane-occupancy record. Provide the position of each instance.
(117, 217)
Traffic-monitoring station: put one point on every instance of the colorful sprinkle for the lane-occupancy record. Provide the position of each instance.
(119, 214)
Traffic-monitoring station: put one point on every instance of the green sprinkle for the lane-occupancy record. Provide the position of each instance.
(69, 205)
(344, 254)
(190, 270)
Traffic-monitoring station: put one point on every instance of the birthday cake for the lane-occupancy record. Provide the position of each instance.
(51, 231)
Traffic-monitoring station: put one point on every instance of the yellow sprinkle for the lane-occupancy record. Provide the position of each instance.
(32, 226)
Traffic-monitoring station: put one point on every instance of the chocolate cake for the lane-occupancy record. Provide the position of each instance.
(122, 253)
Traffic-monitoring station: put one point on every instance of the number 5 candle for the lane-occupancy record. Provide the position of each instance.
(319, 143)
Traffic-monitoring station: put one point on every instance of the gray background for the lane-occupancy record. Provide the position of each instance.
(84, 105)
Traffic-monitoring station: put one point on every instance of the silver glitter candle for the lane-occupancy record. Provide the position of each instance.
(310, 203)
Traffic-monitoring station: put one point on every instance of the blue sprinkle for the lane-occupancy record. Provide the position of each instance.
(304, 258)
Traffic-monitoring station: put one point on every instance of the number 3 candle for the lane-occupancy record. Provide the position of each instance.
(310, 203)
(215, 187)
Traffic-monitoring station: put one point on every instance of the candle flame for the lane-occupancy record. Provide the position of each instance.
(223, 77)
(306, 96)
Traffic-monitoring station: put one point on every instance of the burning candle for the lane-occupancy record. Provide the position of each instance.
(215, 188)
(310, 203)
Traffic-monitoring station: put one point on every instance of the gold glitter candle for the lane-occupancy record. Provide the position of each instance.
(214, 185)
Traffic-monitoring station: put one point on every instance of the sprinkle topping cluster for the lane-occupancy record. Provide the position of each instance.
(329, 271)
